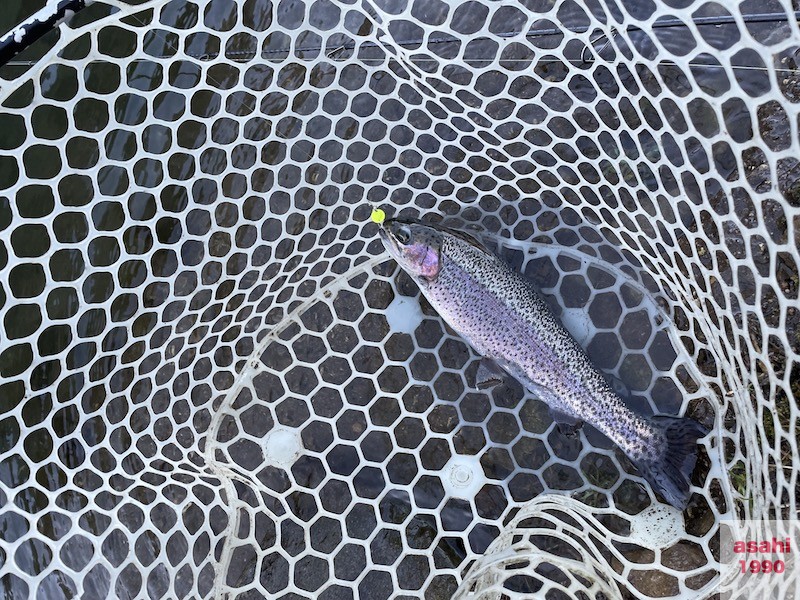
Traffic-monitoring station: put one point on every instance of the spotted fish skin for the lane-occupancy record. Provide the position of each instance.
(499, 313)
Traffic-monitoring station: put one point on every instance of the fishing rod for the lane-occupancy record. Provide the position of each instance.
(25, 34)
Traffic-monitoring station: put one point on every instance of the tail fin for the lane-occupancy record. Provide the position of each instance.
(669, 473)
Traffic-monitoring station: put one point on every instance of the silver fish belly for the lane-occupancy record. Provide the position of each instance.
(498, 312)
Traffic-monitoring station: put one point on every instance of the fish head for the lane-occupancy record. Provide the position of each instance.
(415, 246)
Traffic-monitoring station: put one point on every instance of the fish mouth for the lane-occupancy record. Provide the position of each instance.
(385, 237)
(403, 221)
(388, 243)
(385, 233)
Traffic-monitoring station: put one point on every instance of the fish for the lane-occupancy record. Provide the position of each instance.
(499, 312)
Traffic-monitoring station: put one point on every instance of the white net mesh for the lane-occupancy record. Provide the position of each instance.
(215, 385)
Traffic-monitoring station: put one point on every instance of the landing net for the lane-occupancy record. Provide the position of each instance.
(215, 385)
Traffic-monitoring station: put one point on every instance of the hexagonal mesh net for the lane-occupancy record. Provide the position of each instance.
(214, 384)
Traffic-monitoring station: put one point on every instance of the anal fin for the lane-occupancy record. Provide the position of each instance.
(567, 424)
(489, 374)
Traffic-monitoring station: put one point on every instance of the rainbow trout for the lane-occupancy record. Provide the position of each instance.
(498, 312)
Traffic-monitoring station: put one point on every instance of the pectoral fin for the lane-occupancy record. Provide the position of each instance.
(567, 424)
(489, 374)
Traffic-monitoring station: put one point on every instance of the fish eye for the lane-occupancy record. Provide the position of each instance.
(403, 235)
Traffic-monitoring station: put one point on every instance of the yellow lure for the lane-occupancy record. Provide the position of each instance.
(378, 216)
